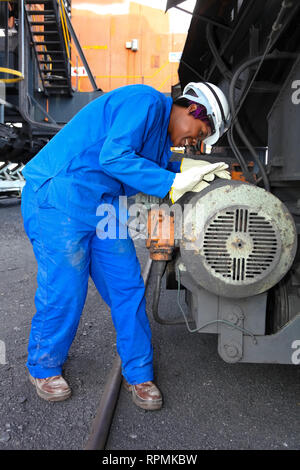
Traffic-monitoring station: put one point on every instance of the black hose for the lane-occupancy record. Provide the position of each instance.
(227, 74)
(254, 155)
(248, 176)
(245, 65)
(159, 269)
(233, 78)
(248, 63)
(265, 56)
(226, 71)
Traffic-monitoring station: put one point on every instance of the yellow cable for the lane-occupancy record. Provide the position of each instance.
(11, 72)
(94, 47)
(162, 84)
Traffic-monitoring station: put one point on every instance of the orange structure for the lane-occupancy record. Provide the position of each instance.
(127, 42)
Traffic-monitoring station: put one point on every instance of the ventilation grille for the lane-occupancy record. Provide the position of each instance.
(241, 245)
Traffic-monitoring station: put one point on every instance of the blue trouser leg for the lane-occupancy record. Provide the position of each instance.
(66, 252)
(116, 273)
(61, 248)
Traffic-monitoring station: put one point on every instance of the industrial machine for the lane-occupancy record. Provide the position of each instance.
(236, 255)
(231, 250)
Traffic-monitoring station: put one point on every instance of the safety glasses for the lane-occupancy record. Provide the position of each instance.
(211, 123)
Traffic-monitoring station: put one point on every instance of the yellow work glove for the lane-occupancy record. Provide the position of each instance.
(192, 179)
(188, 163)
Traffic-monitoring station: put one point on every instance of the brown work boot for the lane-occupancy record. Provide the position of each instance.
(145, 395)
(52, 388)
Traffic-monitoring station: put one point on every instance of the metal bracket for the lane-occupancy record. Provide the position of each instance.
(230, 341)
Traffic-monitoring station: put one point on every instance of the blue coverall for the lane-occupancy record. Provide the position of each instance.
(117, 145)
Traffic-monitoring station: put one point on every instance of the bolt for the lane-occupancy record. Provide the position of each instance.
(233, 318)
(231, 350)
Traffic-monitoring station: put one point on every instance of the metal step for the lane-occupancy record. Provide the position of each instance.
(41, 12)
(33, 2)
(55, 79)
(54, 87)
(41, 23)
(45, 43)
(49, 52)
(51, 61)
(43, 33)
(54, 71)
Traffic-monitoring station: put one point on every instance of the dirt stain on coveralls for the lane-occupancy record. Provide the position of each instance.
(76, 255)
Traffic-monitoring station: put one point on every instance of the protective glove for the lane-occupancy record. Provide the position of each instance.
(188, 163)
(193, 177)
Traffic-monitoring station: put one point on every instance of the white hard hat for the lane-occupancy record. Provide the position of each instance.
(218, 111)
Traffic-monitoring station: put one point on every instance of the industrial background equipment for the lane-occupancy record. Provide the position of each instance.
(36, 94)
(236, 257)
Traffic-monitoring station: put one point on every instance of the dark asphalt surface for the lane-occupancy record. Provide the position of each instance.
(208, 404)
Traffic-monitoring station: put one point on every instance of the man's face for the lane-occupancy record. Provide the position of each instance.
(186, 130)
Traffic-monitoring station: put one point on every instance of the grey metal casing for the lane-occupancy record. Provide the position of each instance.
(235, 345)
(214, 241)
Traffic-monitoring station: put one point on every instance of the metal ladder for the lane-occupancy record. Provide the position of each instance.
(51, 42)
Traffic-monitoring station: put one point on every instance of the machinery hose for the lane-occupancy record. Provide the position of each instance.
(227, 74)
(18, 74)
(248, 63)
(265, 56)
(225, 70)
(239, 156)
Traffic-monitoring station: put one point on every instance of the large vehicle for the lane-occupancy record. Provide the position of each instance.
(236, 254)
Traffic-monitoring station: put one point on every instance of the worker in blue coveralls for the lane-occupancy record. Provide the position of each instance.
(117, 145)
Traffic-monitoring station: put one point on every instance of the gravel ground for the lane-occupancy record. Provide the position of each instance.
(209, 404)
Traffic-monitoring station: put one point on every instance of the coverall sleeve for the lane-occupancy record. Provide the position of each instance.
(137, 120)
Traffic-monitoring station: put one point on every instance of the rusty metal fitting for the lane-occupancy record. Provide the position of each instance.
(237, 173)
(160, 240)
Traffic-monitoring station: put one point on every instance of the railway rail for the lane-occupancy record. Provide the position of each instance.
(105, 413)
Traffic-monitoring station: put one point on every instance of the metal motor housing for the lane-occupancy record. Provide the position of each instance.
(238, 240)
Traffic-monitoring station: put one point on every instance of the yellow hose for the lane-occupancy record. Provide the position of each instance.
(20, 76)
